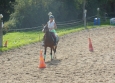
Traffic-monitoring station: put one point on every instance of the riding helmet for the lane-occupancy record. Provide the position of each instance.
(51, 16)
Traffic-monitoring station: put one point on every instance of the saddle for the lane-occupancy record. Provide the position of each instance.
(54, 37)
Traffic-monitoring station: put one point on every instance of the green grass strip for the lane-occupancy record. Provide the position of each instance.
(17, 39)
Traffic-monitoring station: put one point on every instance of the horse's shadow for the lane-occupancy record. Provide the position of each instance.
(54, 62)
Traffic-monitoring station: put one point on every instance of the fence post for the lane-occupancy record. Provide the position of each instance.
(98, 16)
(1, 32)
(85, 11)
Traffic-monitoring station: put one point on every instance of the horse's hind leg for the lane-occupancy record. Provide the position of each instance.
(51, 54)
(45, 53)
(54, 49)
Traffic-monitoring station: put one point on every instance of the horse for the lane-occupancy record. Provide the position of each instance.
(49, 42)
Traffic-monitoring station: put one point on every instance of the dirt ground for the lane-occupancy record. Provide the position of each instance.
(74, 63)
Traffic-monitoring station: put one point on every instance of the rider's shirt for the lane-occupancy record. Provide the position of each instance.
(51, 25)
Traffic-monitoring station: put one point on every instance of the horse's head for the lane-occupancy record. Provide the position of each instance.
(45, 29)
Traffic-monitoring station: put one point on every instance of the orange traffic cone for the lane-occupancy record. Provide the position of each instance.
(5, 45)
(41, 62)
(90, 45)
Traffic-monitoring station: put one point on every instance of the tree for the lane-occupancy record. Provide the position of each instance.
(30, 13)
(6, 8)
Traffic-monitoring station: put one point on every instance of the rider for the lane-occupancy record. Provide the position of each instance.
(52, 26)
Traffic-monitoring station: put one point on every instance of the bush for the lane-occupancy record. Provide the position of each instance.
(9, 25)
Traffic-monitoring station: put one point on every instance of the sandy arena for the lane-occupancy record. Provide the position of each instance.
(74, 63)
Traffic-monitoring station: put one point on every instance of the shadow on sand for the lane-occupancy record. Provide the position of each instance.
(54, 62)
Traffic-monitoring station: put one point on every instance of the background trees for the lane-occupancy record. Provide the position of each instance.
(31, 13)
(6, 8)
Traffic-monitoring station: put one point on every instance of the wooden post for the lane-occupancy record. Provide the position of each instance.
(84, 3)
(1, 34)
(85, 11)
(98, 13)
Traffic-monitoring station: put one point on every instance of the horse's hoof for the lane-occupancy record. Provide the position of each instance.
(54, 57)
(51, 59)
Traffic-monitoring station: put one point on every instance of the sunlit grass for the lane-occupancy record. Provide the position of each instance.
(17, 39)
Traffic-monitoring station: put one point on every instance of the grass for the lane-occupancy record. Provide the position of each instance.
(17, 39)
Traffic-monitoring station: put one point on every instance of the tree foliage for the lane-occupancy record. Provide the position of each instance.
(30, 13)
(6, 8)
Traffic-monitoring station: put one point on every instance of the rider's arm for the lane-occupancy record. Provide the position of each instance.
(44, 27)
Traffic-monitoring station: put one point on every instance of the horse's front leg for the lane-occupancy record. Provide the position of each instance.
(45, 53)
(51, 53)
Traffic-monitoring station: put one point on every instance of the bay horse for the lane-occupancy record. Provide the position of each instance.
(49, 42)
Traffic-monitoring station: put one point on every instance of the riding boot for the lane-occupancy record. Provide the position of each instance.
(54, 37)
(55, 41)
